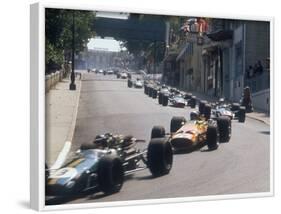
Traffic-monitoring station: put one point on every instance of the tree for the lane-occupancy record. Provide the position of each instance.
(58, 34)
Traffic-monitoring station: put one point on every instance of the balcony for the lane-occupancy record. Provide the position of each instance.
(220, 35)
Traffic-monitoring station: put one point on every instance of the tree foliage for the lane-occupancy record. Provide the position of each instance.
(59, 31)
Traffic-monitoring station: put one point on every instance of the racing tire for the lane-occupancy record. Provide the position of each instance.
(154, 93)
(160, 98)
(130, 84)
(224, 128)
(192, 102)
(235, 107)
(158, 132)
(86, 146)
(150, 91)
(242, 114)
(212, 137)
(165, 100)
(145, 89)
(207, 111)
(188, 96)
(159, 156)
(110, 174)
(201, 107)
(194, 115)
(176, 123)
(47, 173)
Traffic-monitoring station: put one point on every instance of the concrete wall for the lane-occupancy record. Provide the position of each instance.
(261, 100)
(52, 79)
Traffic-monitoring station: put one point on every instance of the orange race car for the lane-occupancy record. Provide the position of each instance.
(190, 135)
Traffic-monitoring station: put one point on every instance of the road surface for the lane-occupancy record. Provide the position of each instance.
(240, 166)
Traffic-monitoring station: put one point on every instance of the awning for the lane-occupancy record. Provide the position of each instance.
(170, 57)
(183, 51)
(221, 35)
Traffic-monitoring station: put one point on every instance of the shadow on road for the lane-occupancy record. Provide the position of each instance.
(148, 177)
(111, 91)
(89, 194)
(265, 132)
(104, 80)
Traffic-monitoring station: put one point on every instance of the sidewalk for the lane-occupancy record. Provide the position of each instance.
(256, 115)
(61, 112)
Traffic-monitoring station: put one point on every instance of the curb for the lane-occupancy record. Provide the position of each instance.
(258, 119)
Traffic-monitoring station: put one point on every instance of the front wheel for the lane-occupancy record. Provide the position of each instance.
(212, 137)
(242, 114)
(110, 174)
(159, 156)
(224, 127)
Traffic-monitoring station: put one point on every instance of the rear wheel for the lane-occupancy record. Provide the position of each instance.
(235, 106)
(212, 137)
(154, 93)
(160, 98)
(224, 127)
(165, 100)
(188, 96)
(158, 132)
(110, 174)
(207, 111)
(86, 146)
(242, 114)
(159, 156)
(194, 115)
(150, 91)
(145, 89)
(192, 102)
(202, 104)
(177, 123)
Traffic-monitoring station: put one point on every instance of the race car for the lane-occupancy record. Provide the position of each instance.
(102, 165)
(151, 89)
(221, 108)
(190, 135)
(163, 95)
(138, 83)
(123, 75)
(177, 101)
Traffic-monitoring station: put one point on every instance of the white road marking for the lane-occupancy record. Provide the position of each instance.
(62, 156)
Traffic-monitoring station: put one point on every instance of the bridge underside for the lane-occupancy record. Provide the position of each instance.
(131, 29)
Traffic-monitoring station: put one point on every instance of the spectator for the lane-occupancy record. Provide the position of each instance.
(259, 67)
(250, 72)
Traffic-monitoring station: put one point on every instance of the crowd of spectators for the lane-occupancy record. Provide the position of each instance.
(255, 70)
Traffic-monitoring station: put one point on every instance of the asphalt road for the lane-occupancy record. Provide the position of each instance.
(240, 166)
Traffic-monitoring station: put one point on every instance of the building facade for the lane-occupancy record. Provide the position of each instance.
(231, 54)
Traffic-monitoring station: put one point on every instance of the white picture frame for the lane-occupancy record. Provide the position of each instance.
(37, 120)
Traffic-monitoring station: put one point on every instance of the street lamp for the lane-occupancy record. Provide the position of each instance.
(72, 85)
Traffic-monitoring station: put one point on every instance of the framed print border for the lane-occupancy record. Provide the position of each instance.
(37, 109)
